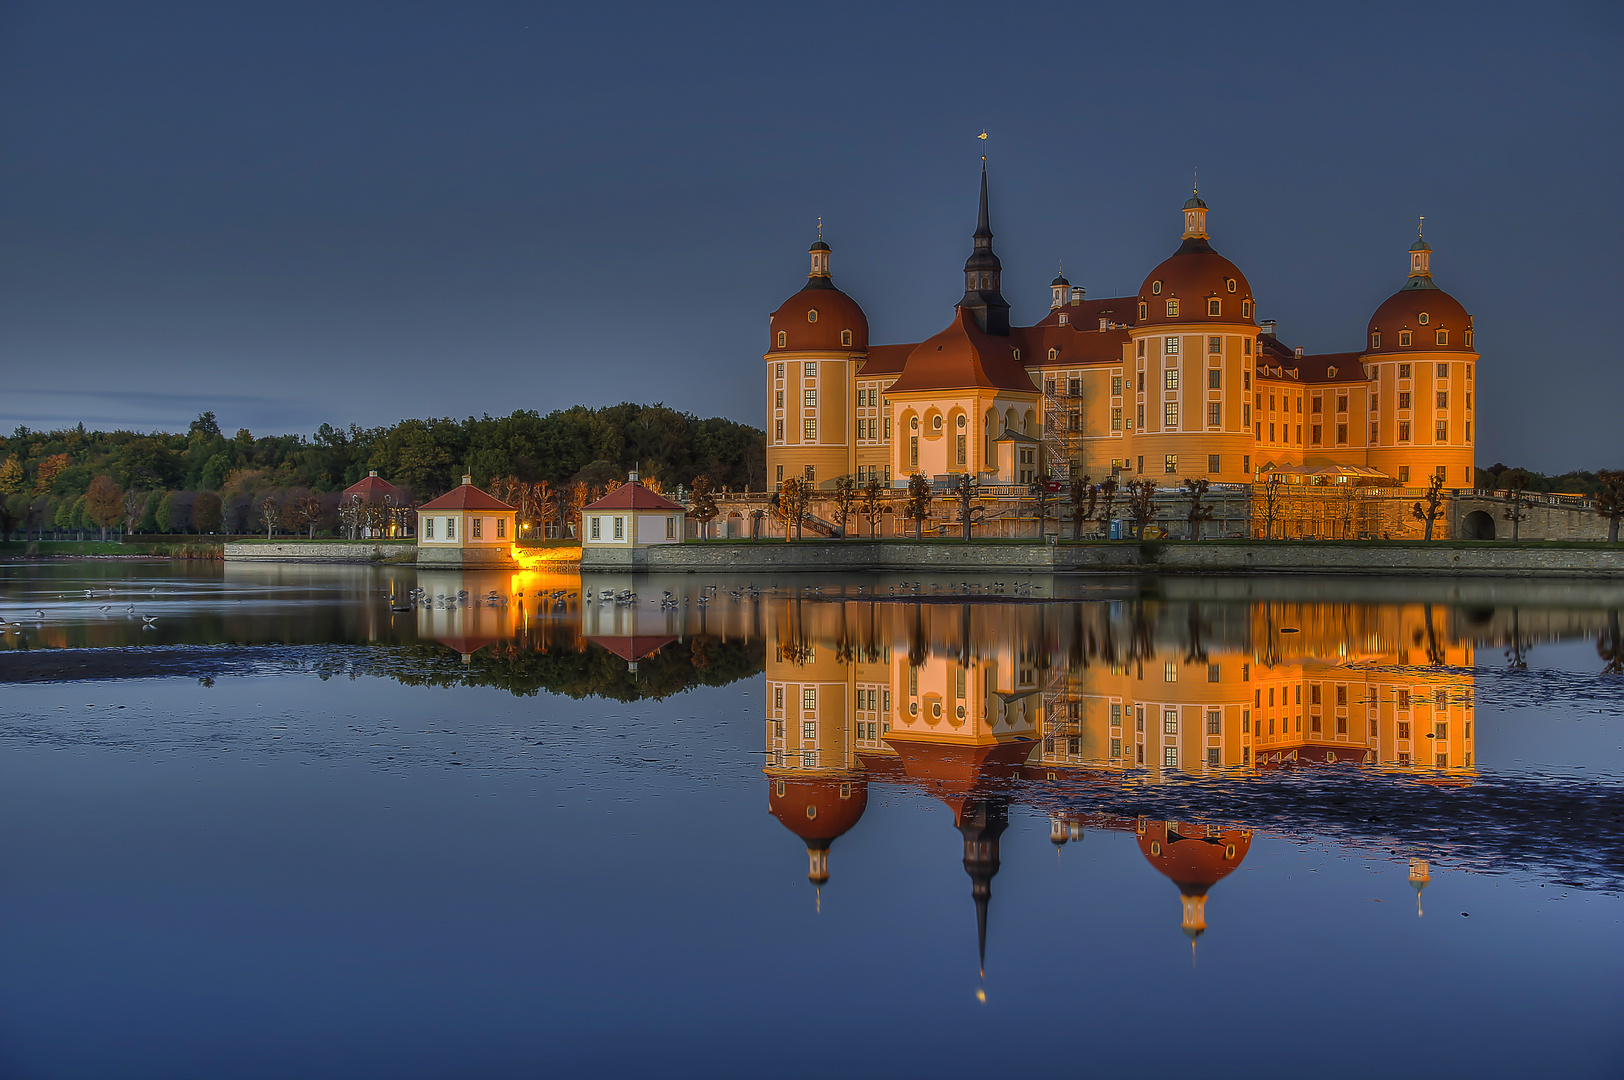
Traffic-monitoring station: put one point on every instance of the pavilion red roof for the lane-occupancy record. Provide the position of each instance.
(632, 495)
(466, 496)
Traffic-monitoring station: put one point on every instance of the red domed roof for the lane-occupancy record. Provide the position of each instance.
(1193, 275)
(814, 810)
(963, 357)
(813, 320)
(1423, 310)
(1194, 861)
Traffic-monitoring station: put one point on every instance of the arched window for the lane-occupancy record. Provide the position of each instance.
(845, 337)
(1144, 311)
(1053, 353)
(783, 339)
(1246, 309)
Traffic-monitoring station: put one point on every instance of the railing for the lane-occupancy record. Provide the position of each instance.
(1539, 498)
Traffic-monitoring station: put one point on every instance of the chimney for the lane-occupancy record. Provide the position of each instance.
(1077, 292)
(1268, 327)
(1299, 351)
(372, 472)
(467, 479)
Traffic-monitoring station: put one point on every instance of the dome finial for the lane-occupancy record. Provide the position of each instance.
(820, 226)
(983, 138)
(1421, 228)
(1195, 180)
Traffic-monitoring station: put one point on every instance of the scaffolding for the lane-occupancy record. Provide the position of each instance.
(1062, 425)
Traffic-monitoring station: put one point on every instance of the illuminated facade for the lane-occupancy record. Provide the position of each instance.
(1181, 381)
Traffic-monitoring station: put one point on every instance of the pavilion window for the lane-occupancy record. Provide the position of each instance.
(479, 528)
(450, 528)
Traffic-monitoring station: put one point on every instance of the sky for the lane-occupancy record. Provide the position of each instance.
(293, 213)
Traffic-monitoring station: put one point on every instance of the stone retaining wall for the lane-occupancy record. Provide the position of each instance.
(1489, 559)
(359, 551)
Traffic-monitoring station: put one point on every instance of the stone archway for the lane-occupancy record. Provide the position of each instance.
(1478, 526)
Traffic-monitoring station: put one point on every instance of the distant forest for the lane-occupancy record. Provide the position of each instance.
(49, 479)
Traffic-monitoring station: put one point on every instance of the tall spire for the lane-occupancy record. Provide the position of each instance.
(983, 273)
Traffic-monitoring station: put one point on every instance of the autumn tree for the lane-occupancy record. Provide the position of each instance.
(1141, 505)
(791, 501)
(104, 503)
(1195, 491)
(48, 471)
(11, 475)
(1431, 504)
(876, 503)
(1610, 499)
(1084, 498)
(206, 512)
(307, 512)
(702, 504)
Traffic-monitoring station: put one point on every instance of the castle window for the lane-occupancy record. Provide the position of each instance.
(1468, 339)
(1213, 462)
(1424, 318)
(1342, 403)
(1342, 434)
(780, 366)
(1116, 385)
(1053, 353)
(1443, 431)
(1215, 306)
(1215, 378)
(1314, 407)
(1213, 419)
(812, 315)
(1170, 379)
(1215, 345)
(936, 423)
(1443, 371)
(1404, 434)
(1144, 311)
(1139, 346)
(783, 340)
(1443, 399)
(845, 337)
(1116, 419)
(1404, 371)
(1468, 370)
(1017, 353)
(1170, 416)
(1230, 284)
(810, 430)
(1172, 345)
(778, 433)
(1172, 309)
(811, 399)
(913, 423)
(1375, 339)
(1404, 338)
(1314, 434)
(1156, 287)
(1442, 337)
(1246, 309)
(1247, 346)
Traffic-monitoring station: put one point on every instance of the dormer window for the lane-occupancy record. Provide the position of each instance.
(1215, 306)
(1053, 353)
(1156, 287)
(1423, 318)
(1017, 353)
(1230, 284)
(1375, 339)
(1144, 311)
(1172, 309)
(1330, 373)
(812, 315)
(1404, 338)
(1063, 319)
(1246, 309)
(845, 337)
(1468, 339)
(1442, 337)
(783, 340)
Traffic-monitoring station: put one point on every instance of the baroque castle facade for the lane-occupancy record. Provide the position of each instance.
(1181, 381)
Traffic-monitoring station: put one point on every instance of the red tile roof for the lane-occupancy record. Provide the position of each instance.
(632, 495)
(374, 489)
(465, 496)
(962, 357)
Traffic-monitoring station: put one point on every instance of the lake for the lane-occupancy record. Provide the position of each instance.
(294, 820)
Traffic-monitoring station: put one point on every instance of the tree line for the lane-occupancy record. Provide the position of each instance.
(206, 481)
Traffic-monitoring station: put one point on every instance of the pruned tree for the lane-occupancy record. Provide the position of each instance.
(135, 508)
(791, 501)
(1431, 504)
(270, 513)
(309, 512)
(104, 503)
(349, 516)
(1108, 497)
(1141, 505)
(969, 513)
(702, 504)
(1515, 511)
(1084, 498)
(579, 494)
(845, 497)
(1040, 498)
(876, 503)
(918, 508)
(1610, 499)
(1195, 491)
(1271, 497)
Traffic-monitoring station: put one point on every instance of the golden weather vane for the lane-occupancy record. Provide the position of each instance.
(983, 138)
(820, 226)
(1421, 228)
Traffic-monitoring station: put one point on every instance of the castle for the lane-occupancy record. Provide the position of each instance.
(1178, 382)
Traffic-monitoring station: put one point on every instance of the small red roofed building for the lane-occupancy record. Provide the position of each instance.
(466, 527)
(629, 520)
(374, 489)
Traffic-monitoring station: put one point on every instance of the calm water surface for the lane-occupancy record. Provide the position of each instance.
(266, 825)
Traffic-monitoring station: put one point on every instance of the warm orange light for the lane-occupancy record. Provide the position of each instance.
(531, 559)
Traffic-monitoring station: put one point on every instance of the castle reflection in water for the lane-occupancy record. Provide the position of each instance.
(972, 701)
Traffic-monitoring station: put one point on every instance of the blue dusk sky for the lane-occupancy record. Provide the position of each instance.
(293, 213)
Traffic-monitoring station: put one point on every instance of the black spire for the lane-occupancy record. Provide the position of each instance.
(981, 824)
(983, 275)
